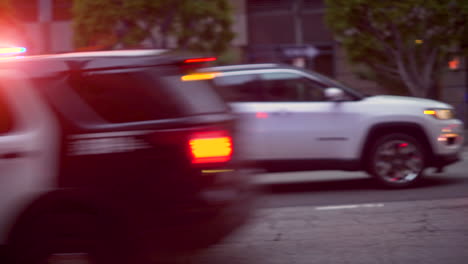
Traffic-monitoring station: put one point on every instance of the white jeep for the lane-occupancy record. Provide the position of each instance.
(295, 119)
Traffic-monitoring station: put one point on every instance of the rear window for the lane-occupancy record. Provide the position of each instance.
(126, 96)
(195, 97)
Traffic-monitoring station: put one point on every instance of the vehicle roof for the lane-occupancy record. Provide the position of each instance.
(275, 66)
(91, 60)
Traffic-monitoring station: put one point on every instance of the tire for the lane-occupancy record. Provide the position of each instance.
(62, 237)
(397, 160)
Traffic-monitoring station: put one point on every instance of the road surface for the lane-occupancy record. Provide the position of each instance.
(337, 217)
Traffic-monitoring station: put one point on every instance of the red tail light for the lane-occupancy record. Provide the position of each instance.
(194, 64)
(210, 147)
(198, 60)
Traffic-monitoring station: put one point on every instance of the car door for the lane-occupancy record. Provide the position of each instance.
(301, 123)
(28, 147)
(241, 89)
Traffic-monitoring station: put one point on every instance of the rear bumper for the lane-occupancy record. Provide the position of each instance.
(193, 229)
(203, 227)
(196, 225)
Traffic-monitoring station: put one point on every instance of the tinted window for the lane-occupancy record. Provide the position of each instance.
(120, 97)
(195, 97)
(289, 87)
(238, 88)
(351, 93)
(6, 117)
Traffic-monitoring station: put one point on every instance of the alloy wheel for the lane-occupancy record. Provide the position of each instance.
(398, 161)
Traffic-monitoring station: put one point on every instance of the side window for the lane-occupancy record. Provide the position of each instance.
(290, 87)
(313, 91)
(238, 88)
(121, 97)
(6, 115)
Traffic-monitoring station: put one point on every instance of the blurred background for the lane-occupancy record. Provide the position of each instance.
(304, 216)
(286, 31)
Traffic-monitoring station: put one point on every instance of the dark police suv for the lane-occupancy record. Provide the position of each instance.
(108, 156)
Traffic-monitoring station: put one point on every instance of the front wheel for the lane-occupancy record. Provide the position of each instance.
(397, 160)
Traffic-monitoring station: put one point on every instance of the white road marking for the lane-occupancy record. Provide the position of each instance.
(349, 206)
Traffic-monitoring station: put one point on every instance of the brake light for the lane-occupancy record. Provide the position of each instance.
(261, 115)
(196, 60)
(210, 147)
(192, 65)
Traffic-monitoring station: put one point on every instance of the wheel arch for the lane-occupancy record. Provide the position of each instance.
(409, 128)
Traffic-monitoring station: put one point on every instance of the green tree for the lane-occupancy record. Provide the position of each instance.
(196, 25)
(404, 42)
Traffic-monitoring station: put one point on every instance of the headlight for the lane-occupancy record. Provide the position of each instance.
(442, 114)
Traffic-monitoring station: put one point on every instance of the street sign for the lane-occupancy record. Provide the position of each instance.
(295, 51)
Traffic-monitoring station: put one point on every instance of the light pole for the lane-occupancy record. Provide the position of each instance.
(298, 34)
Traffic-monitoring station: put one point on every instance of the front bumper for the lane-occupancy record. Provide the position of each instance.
(447, 137)
(440, 161)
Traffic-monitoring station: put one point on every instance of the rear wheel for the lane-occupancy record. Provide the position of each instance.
(397, 160)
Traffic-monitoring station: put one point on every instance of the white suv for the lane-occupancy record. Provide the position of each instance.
(295, 119)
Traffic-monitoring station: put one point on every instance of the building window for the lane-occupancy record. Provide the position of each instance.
(26, 10)
(62, 10)
(313, 4)
(269, 5)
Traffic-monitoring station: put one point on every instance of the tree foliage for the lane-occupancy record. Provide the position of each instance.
(406, 42)
(196, 25)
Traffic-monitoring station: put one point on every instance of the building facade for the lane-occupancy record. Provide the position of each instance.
(274, 24)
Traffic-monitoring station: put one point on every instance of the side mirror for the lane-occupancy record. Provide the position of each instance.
(334, 94)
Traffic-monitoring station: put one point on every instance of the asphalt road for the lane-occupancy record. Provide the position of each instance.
(337, 187)
(336, 217)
